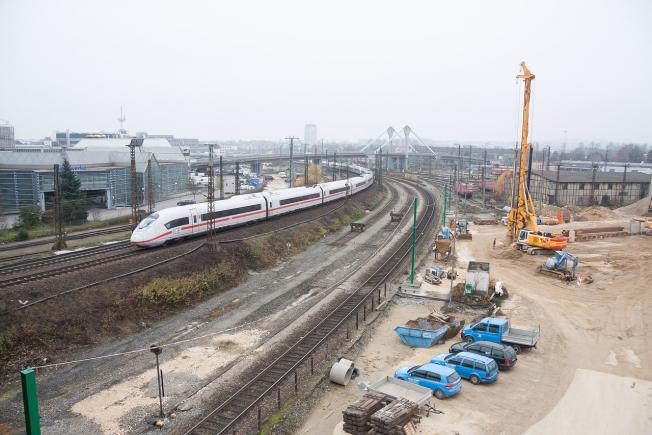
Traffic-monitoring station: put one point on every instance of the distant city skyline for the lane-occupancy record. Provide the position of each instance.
(212, 70)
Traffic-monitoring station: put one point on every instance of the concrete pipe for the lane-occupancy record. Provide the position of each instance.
(341, 372)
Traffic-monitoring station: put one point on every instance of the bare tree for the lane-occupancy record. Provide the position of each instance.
(193, 187)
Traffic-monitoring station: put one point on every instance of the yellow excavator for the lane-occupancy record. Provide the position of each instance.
(522, 218)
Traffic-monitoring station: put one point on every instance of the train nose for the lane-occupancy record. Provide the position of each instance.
(136, 237)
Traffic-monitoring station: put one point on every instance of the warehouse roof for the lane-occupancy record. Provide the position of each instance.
(600, 176)
(120, 143)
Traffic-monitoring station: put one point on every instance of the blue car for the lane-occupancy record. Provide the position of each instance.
(475, 368)
(442, 380)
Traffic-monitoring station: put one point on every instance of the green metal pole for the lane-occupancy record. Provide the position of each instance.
(30, 402)
(414, 239)
(443, 218)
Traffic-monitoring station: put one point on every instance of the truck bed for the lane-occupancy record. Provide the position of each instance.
(521, 336)
(396, 389)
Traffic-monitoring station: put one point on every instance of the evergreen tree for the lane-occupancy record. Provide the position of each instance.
(73, 204)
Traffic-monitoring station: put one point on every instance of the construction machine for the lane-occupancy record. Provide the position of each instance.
(462, 230)
(522, 218)
(557, 266)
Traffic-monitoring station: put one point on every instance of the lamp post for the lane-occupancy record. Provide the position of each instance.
(157, 351)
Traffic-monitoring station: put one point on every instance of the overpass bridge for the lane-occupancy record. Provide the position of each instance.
(392, 160)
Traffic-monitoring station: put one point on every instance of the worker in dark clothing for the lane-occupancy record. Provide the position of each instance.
(494, 243)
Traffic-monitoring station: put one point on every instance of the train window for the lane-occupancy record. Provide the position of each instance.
(148, 220)
(360, 184)
(299, 198)
(177, 223)
(341, 189)
(230, 212)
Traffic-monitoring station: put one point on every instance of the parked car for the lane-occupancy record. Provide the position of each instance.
(475, 368)
(498, 330)
(185, 202)
(442, 380)
(505, 356)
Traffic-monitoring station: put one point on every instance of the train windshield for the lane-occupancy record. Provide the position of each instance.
(148, 221)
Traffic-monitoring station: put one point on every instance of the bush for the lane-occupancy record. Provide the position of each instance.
(30, 216)
(188, 290)
(22, 235)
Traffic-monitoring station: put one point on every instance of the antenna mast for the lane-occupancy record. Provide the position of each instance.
(122, 120)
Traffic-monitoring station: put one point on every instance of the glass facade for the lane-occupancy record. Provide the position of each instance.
(19, 188)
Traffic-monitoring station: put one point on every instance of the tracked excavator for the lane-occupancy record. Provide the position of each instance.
(522, 219)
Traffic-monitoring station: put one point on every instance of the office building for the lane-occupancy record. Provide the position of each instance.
(7, 141)
(310, 135)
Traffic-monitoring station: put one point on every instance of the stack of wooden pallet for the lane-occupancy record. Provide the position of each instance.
(395, 418)
(358, 415)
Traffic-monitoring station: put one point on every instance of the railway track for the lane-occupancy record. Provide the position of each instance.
(65, 269)
(72, 236)
(63, 258)
(225, 416)
(44, 268)
(442, 180)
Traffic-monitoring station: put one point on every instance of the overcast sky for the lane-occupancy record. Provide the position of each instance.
(262, 69)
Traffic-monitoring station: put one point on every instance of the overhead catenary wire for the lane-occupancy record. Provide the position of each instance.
(167, 260)
(148, 349)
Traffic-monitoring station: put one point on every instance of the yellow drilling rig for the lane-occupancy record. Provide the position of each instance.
(522, 218)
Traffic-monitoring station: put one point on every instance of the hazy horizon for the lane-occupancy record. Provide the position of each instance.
(261, 70)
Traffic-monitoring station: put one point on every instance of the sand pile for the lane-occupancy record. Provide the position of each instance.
(636, 209)
(553, 211)
(595, 213)
(508, 252)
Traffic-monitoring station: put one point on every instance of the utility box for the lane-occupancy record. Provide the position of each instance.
(229, 184)
(477, 277)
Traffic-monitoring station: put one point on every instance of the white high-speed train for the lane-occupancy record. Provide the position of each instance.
(192, 220)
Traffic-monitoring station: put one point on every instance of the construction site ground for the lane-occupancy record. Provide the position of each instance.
(590, 373)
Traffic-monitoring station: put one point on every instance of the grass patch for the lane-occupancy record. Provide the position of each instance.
(12, 234)
(43, 230)
(276, 418)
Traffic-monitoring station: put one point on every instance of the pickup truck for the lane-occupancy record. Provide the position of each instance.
(498, 330)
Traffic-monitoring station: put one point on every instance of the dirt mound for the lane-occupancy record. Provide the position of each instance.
(636, 209)
(508, 252)
(553, 211)
(595, 213)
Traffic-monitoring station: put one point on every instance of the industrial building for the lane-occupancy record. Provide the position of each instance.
(103, 167)
(565, 187)
(67, 139)
(7, 140)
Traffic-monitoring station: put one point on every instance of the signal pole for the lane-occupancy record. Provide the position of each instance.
(334, 165)
(211, 197)
(291, 139)
(150, 188)
(305, 170)
(484, 169)
(414, 239)
(221, 179)
(237, 178)
(134, 185)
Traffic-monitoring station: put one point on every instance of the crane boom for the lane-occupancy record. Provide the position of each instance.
(523, 215)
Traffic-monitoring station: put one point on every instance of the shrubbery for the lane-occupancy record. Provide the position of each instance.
(30, 216)
(22, 235)
(188, 290)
